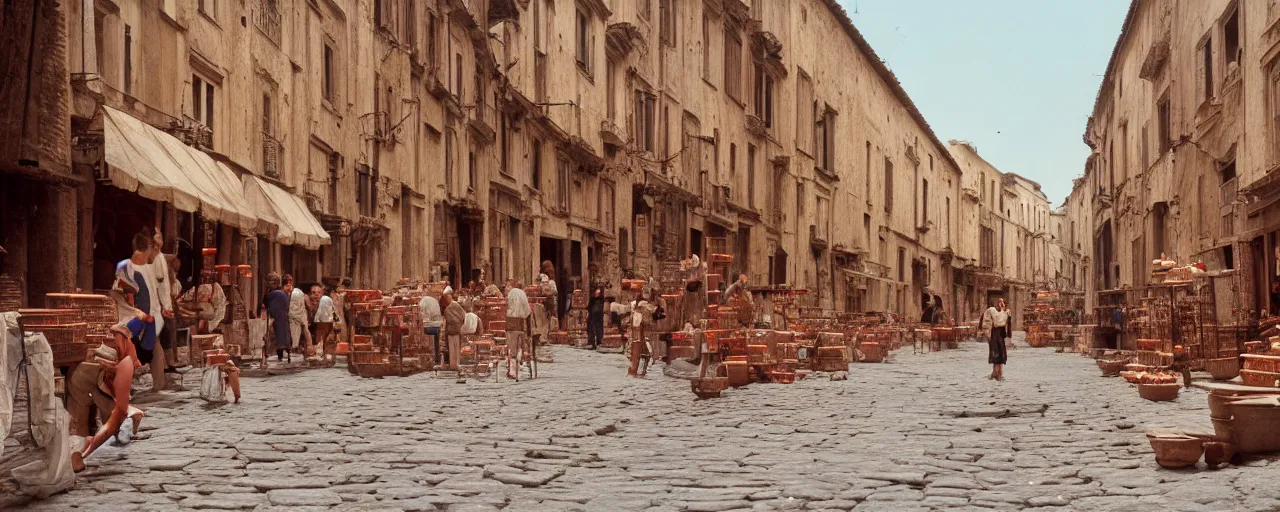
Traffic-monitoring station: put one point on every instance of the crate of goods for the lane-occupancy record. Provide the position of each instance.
(366, 357)
(10, 293)
(216, 357)
(35, 317)
(782, 376)
(683, 352)
(870, 352)
(759, 355)
(94, 309)
(497, 326)
(709, 387)
(831, 359)
(578, 299)
(787, 352)
(559, 338)
(203, 342)
(63, 333)
(69, 353)
(612, 341)
(1261, 363)
(738, 373)
(356, 296)
(1261, 379)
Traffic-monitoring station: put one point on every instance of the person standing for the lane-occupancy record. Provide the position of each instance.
(299, 336)
(1001, 322)
(275, 309)
(595, 317)
(518, 313)
(432, 321)
(454, 318)
(325, 315)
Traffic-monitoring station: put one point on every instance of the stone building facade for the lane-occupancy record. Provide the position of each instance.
(1184, 155)
(478, 139)
(1012, 247)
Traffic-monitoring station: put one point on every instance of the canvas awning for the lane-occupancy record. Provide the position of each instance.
(294, 222)
(153, 164)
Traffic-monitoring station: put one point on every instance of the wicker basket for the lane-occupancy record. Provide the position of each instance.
(365, 357)
(35, 317)
(1260, 379)
(1223, 369)
(1111, 368)
(709, 387)
(1176, 451)
(1262, 363)
(69, 353)
(1159, 392)
(62, 334)
(94, 309)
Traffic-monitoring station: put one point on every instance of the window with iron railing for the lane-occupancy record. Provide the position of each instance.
(267, 18)
(271, 149)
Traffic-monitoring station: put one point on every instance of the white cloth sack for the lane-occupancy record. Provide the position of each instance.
(211, 388)
(51, 473)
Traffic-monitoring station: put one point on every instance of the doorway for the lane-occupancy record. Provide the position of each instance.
(464, 268)
(695, 243)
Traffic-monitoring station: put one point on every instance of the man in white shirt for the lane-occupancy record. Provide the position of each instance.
(432, 321)
(298, 320)
(1001, 321)
(325, 317)
(156, 273)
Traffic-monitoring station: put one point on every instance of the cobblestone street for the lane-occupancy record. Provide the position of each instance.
(922, 432)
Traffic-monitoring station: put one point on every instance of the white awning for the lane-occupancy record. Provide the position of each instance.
(158, 166)
(295, 223)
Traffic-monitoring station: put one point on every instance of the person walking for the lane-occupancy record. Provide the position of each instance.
(324, 318)
(275, 309)
(517, 325)
(1001, 322)
(455, 316)
(299, 335)
(432, 321)
(595, 317)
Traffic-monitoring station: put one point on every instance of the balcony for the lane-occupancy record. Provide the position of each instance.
(193, 133)
(267, 19)
(484, 120)
(271, 150)
(817, 239)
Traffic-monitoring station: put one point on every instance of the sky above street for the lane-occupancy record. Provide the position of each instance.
(1017, 78)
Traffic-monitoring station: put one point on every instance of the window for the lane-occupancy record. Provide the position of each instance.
(328, 79)
(823, 218)
(924, 203)
(584, 39)
(763, 96)
(646, 8)
(1228, 173)
(266, 114)
(1145, 148)
(733, 159)
(433, 33)
(804, 113)
(457, 75)
(267, 19)
(706, 46)
(866, 228)
(537, 24)
(366, 190)
(540, 77)
(535, 174)
(128, 59)
(607, 205)
(888, 185)
(1206, 68)
(1159, 217)
(732, 64)
(948, 219)
(471, 171)
(668, 26)
(800, 199)
(202, 98)
(751, 176)
(1124, 150)
(826, 139)
(866, 167)
(334, 170)
(208, 8)
(902, 265)
(1274, 98)
(1165, 127)
(610, 92)
(1231, 35)
(504, 144)
(450, 149)
(644, 132)
(562, 182)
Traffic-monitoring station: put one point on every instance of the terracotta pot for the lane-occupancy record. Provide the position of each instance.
(1254, 424)
(1223, 369)
(1176, 451)
(1159, 392)
(1218, 453)
(1222, 429)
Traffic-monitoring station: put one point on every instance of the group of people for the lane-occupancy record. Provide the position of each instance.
(297, 320)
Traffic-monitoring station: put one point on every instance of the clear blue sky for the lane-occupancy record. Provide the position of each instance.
(1016, 77)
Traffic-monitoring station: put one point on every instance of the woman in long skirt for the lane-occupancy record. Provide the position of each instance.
(1001, 321)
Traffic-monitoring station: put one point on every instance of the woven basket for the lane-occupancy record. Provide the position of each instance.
(1159, 392)
(62, 334)
(69, 353)
(34, 317)
(1223, 369)
(92, 308)
(365, 357)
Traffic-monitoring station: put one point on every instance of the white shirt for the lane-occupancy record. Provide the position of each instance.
(298, 306)
(324, 311)
(472, 324)
(159, 294)
(429, 308)
(995, 318)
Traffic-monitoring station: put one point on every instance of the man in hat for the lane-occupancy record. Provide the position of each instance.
(105, 382)
(454, 318)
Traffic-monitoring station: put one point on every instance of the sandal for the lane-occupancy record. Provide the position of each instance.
(77, 461)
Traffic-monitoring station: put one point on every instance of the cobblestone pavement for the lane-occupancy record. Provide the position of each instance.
(922, 432)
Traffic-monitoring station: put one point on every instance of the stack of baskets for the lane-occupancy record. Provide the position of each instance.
(64, 329)
(10, 293)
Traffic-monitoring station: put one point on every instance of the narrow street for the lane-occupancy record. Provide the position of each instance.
(921, 432)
